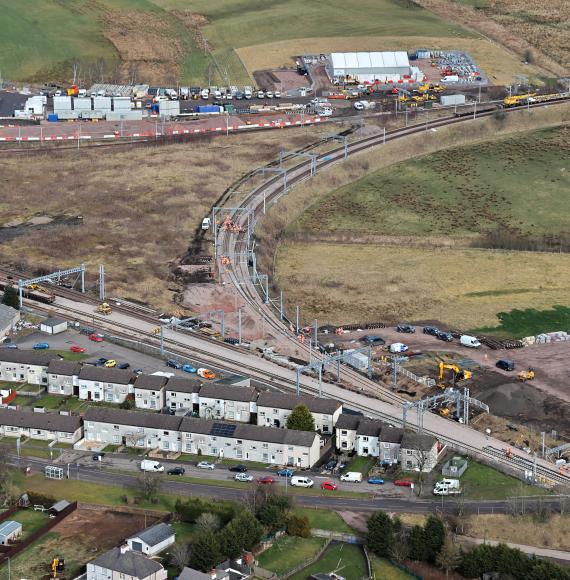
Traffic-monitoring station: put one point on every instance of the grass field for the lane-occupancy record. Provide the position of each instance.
(288, 552)
(324, 520)
(400, 242)
(385, 570)
(347, 560)
(31, 521)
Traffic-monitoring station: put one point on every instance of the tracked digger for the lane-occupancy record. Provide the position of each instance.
(458, 374)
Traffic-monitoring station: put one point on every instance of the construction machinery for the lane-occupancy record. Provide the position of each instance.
(103, 308)
(458, 373)
(526, 375)
(444, 412)
(57, 566)
(515, 100)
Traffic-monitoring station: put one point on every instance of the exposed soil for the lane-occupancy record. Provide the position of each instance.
(12, 230)
(280, 80)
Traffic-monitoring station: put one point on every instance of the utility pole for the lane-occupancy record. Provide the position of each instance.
(102, 282)
(162, 340)
(297, 320)
(239, 324)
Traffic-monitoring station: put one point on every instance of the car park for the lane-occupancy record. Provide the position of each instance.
(176, 471)
(267, 480)
(41, 346)
(406, 328)
(505, 364)
(95, 338)
(375, 480)
(330, 485)
(111, 363)
(173, 364)
(286, 472)
(205, 465)
(243, 477)
(445, 336)
(77, 348)
(403, 483)
(239, 468)
(123, 365)
(432, 330)
(188, 368)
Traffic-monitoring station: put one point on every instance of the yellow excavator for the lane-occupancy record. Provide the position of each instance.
(104, 308)
(458, 374)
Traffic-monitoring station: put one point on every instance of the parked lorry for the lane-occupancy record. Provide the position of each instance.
(447, 487)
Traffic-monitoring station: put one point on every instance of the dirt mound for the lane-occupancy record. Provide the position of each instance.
(513, 399)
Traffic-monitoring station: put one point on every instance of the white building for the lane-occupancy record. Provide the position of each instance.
(225, 402)
(345, 430)
(153, 540)
(24, 366)
(419, 451)
(274, 408)
(63, 377)
(103, 384)
(149, 392)
(42, 426)
(53, 325)
(8, 318)
(368, 66)
(124, 564)
(182, 394)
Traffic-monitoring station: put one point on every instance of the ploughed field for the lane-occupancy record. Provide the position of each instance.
(457, 236)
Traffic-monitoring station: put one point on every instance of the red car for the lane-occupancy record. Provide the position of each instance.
(266, 480)
(77, 348)
(95, 338)
(403, 482)
(328, 485)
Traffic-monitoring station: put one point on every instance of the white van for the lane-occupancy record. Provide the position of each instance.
(300, 481)
(206, 223)
(469, 341)
(351, 476)
(154, 466)
(398, 347)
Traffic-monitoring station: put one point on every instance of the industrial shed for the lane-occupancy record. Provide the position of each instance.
(369, 66)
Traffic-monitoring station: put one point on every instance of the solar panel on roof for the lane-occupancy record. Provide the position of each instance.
(222, 430)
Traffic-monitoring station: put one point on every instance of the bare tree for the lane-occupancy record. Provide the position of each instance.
(149, 485)
(75, 64)
(180, 555)
(208, 522)
(449, 558)
(421, 458)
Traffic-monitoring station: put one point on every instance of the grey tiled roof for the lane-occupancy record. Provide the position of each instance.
(133, 418)
(349, 422)
(150, 382)
(214, 391)
(26, 357)
(369, 427)
(191, 574)
(283, 401)
(391, 435)
(418, 441)
(66, 368)
(46, 421)
(7, 315)
(183, 385)
(130, 563)
(105, 375)
(52, 321)
(155, 534)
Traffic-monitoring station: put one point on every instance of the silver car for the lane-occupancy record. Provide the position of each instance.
(243, 477)
(205, 465)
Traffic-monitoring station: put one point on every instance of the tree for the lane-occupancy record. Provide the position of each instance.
(434, 534)
(273, 509)
(250, 528)
(208, 522)
(297, 526)
(421, 457)
(180, 555)
(381, 534)
(149, 485)
(417, 544)
(400, 549)
(232, 540)
(205, 552)
(449, 557)
(11, 298)
(301, 419)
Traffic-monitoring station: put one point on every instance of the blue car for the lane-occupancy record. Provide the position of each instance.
(188, 368)
(375, 480)
(41, 346)
(285, 473)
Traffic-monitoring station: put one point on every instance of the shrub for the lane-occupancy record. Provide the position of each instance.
(300, 527)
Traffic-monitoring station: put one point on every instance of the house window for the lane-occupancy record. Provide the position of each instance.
(344, 432)
(290, 460)
(344, 445)
(239, 442)
(214, 450)
(365, 439)
(165, 444)
(325, 428)
(110, 397)
(165, 433)
(409, 464)
(408, 451)
(116, 439)
(265, 445)
(265, 457)
(96, 396)
(275, 411)
(239, 453)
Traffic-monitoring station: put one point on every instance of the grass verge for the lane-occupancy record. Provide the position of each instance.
(288, 552)
(324, 520)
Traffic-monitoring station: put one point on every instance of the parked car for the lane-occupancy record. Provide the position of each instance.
(445, 336)
(240, 468)
(505, 364)
(95, 338)
(432, 330)
(176, 471)
(77, 348)
(173, 364)
(243, 477)
(403, 482)
(375, 480)
(138, 371)
(373, 340)
(100, 362)
(205, 465)
(398, 347)
(206, 374)
(41, 346)
(286, 472)
(98, 456)
(267, 480)
(406, 328)
(331, 464)
(123, 365)
(331, 485)
(269, 94)
(111, 363)
(187, 368)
